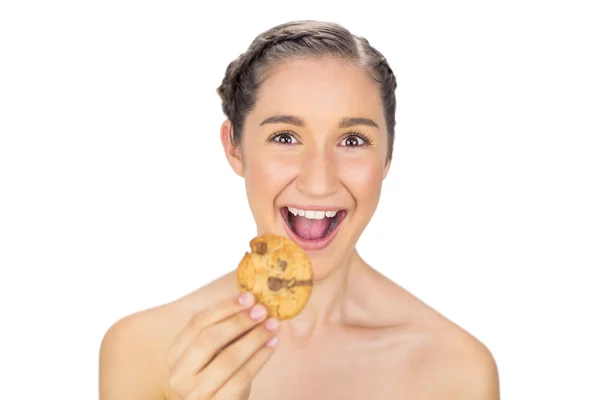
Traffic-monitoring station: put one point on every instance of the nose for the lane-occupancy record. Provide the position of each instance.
(318, 175)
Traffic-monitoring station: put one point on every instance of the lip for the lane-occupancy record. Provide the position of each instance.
(317, 244)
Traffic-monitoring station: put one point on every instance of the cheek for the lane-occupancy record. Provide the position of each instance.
(267, 175)
(363, 177)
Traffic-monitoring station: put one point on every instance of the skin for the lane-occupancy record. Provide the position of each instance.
(360, 335)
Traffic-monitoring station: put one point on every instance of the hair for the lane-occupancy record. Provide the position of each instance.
(301, 40)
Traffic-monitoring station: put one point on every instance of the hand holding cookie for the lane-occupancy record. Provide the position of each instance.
(221, 350)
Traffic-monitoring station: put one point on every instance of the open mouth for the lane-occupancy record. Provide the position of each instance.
(312, 229)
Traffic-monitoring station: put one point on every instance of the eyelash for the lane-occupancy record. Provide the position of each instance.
(363, 136)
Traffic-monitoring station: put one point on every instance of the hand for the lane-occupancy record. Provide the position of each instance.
(221, 350)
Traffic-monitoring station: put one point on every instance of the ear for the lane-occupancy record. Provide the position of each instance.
(386, 169)
(232, 151)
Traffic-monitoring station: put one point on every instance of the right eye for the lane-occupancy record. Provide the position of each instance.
(284, 138)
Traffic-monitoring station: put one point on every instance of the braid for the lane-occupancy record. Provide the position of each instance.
(380, 70)
(239, 68)
(294, 32)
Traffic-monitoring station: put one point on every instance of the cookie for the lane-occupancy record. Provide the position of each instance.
(278, 273)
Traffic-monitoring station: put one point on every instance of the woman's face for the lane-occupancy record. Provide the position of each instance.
(313, 155)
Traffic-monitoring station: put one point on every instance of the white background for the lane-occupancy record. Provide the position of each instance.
(116, 195)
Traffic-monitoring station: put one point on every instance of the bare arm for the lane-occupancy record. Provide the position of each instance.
(473, 376)
(125, 367)
(479, 381)
(461, 369)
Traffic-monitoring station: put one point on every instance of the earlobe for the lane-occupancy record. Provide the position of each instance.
(232, 150)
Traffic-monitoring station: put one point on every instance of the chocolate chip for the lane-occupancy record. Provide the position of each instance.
(275, 283)
(261, 248)
(282, 264)
(303, 283)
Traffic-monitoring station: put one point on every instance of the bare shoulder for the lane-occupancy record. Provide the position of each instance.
(459, 364)
(452, 364)
(448, 361)
(132, 353)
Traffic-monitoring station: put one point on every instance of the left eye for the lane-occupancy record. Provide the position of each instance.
(353, 141)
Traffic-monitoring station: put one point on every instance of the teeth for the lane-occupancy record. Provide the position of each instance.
(312, 214)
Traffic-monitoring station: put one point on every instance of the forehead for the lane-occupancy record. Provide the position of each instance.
(319, 91)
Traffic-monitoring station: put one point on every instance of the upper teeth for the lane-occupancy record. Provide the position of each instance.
(312, 214)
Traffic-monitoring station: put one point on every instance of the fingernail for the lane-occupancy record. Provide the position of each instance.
(272, 324)
(246, 298)
(273, 341)
(257, 312)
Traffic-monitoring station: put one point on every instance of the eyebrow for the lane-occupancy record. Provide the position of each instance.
(284, 119)
(350, 122)
(297, 121)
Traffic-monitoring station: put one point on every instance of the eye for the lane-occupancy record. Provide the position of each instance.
(355, 140)
(284, 138)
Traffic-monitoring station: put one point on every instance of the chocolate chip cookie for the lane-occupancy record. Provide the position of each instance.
(278, 272)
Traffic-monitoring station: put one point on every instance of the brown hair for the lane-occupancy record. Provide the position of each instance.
(302, 39)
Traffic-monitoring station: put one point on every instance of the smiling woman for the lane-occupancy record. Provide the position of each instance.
(310, 124)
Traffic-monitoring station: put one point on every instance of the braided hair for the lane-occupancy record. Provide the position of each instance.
(302, 39)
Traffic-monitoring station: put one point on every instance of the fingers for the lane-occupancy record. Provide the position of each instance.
(231, 340)
(209, 342)
(235, 367)
(205, 318)
(244, 376)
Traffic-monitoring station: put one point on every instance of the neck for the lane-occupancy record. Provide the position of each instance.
(326, 303)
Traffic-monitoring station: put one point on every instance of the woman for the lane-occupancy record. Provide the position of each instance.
(310, 127)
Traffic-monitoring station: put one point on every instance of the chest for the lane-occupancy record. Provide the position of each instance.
(331, 375)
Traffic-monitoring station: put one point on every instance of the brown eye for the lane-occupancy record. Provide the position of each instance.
(283, 138)
(353, 141)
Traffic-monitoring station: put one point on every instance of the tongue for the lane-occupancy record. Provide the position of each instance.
(309, 229)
